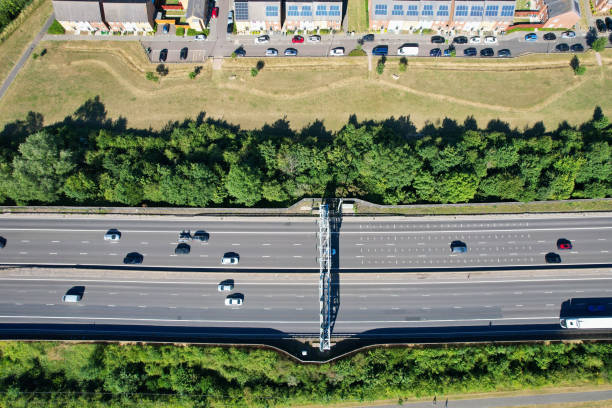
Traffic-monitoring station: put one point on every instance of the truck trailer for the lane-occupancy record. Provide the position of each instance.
(586, 323)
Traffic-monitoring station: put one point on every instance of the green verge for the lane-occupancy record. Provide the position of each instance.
(52, 374)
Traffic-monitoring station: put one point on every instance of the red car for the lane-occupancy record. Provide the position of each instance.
(215, 12)
(564, 244)
(297, 39)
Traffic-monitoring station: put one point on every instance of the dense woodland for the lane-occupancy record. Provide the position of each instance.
(104, 375)
(88, 159)
(9, 10)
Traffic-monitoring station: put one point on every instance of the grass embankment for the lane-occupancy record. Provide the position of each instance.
(28, 24)
(357, 13)
(520, 91)
(91, 375)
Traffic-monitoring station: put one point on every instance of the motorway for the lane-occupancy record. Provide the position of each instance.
(419, 304)
(291, 243)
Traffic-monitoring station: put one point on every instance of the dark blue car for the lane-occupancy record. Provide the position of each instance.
(380, 50)
(436, 52)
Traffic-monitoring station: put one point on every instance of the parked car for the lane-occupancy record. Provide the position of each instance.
(458, 247)
(436, 39)
(182, 249)
(226, 286)
(230, 258)
(470, 52)
(291, 52)
(112, 235)
(240, 52)
(577, 47)
(231, 300)
(201, 236)
(166, 28)
(475, 40)
(215, 12)
(435, 52)
(297, 39)
(133, 258)
(568, 34)
(200, 37)
(230, 17)
(562, 47)
(490, 39)
(487, 52)
(460, 39)
(368, 38)
(531, 37)
(380, 50)
(184, 52)
(314, 38)
(448, 52)
(609, 23)
(271, 52)
(338, 51)
(408, 49)
(262, 39)
(563, 243)
(505, 53)
(552, 257)
(163, 55)
(601, 26)
(550, 36)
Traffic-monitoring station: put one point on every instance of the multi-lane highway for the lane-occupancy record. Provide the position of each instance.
(290, 243)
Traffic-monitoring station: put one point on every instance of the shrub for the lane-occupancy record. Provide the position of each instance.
(580, 70)
(162, 70)
(403, 64)
(180, 31)
(260, 65)
(34, 56)
(257, 32)
(56, 28)
(290, 32)
(357, 52)
(206, 31)
(191, 32)
(324, 31)
(427, 31)
(599, 44)
(254, 72)
(192, 75)
(234, 55)
(152, 77)
(380, 67)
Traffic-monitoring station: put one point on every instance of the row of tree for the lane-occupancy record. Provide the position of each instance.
(9, 10)
(206, 163)
(60, 375)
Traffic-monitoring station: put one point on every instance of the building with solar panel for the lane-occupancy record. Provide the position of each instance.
(257, 15)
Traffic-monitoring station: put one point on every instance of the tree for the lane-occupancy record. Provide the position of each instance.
(575, 64)
(244, 184)
(254, 72)
(403, 64)
(380, 66)
(191, 184)
(162, 70)
(80, 187)
(599, 44)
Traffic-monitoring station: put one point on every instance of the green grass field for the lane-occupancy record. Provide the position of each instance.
(521, 91)
(357, 12)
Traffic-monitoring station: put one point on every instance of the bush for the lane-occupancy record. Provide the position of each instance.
(324, 31)
(427, 31)
(403, 64)
(254, 72)
(192, 75)
(380, 67)
(162, 70)
(580, 70)
(357, 52)
(152, 77)
(191, 32)
(234, 55)
(599, 44)
(56, 28)
(180, 31)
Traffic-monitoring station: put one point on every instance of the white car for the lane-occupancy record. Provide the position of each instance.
(229, 260)
(200, 37)
(71, 298)
(262, 39)
(337, 51)
(271, 52)
(112, 235)
(408, 50)
(568, 34)
(225, 287)
(233, 301)
(314, 38)
(475, 40)
(490, 40)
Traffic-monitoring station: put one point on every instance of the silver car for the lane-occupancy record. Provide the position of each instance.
(225, 287)
(229, 260)
(233, 301)
(271, 52)
(112, 235)
(314, 38)
(262, 39)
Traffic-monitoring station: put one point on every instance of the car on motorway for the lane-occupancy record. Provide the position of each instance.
(297, 39)
(133, 258)
(577, 47)
(184, 52)
(470, 52)
(71, 298)
(531, 37)
(215, 12)
(262, 39)
(201, 236)
(234, 300)
(182, 249)
(184, 236)
(490, 39)
(458, 247)
(563, 47)
(226, 286)
(564, 243)
(163, 55)
(2, 242)
(475, 40)
(487, 52)
(609, 23)
(271, 52)
(314, 38)
(435, 52)
(380, 50)
(601, 26)
(568, 34)
(552, 257)
(200, 37)
(460, 40)
(291, 52)
(338, 51)
(112, 235)
(240, 52)
(367, 38)
(504, 53)
(437, 39)
(230, 258)
(550, 36)
(166, 28)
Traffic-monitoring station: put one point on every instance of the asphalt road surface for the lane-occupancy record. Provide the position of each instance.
(435, 304)
(291, 243)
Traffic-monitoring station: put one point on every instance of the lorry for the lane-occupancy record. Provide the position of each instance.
(586, 323)
(586, 313)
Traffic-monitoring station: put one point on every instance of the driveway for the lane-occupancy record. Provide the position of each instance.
(198, 51)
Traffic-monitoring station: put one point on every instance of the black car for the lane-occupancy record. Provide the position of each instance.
(2, 242)
(487, 52)
(458, 247)
(201, 236)
(577, 47)
(562, 47)
(230, 28)
(436, 52)
(240, 52)
(182, 249)
(436, 39)
(552, 257)
(470, 52)
(184, 52)
(550, 36)
(133, 258)
(460, 40)
(601, 26)
(367, 38)
(163, 54)
(609, 23)
(505, 53)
